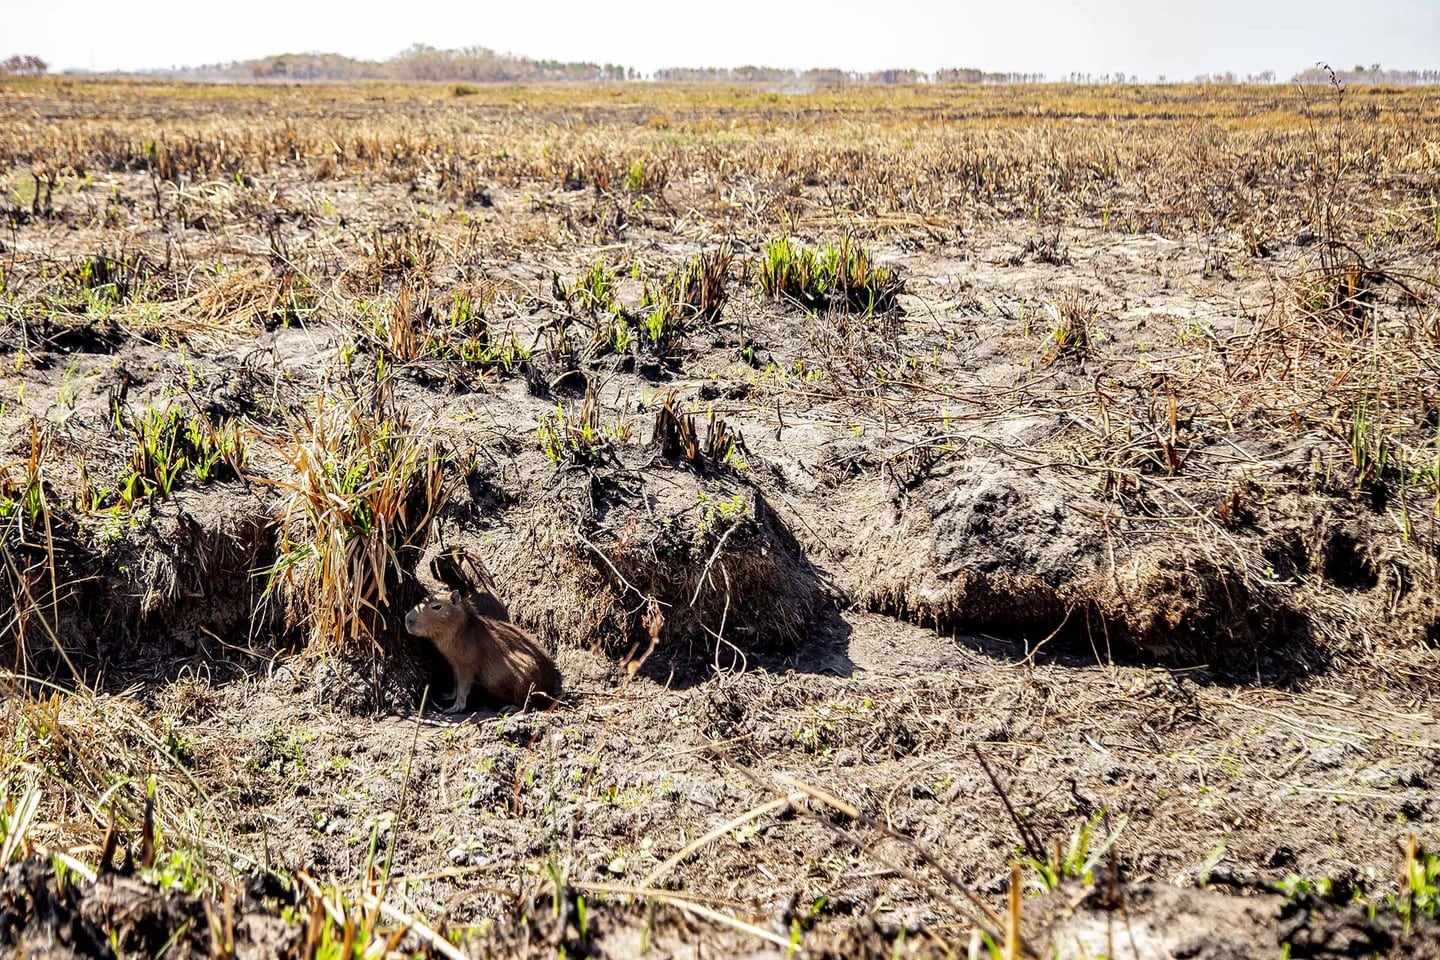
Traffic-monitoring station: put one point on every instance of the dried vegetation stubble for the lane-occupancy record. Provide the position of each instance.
(717, 378)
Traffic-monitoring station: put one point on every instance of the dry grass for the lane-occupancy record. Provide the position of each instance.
(30, 579)
(908, 157)
(366, 485)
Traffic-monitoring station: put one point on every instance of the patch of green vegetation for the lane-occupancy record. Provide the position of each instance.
(569, 436)
(841, 276)
(595, 292)
(23, 502)
(169, 446)
(627, 798)
(24, 191)
(95, 286)
(176, 870)
(1418, 893)
(469, 340)
(410, 327)
(715, 512)
(693, 294)
(594, 289)
(1077, 861)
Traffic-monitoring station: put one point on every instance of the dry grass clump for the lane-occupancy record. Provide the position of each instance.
(1074, 318)
(81, 765)
(26, 576)
(675, 434)
(89, 302)
(687, 297)
(410, 251)
(366, 484)
(221, 307)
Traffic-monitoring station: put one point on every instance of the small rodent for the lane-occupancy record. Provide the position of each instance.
(509, 665)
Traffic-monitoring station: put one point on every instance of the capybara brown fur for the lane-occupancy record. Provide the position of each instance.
(509, 665)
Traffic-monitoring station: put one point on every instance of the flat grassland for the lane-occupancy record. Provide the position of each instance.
(971, 521)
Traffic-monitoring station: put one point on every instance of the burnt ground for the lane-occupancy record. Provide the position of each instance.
(1235, 790)
(1118, 532)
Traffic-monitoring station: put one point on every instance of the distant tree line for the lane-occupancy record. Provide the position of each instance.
(1372, 74)
(1265, 76)
(483, 65)
(834, 77)
(420, 62)
(23, 66)
(971, 75)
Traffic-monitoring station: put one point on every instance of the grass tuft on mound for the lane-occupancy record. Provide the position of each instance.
(367, 483)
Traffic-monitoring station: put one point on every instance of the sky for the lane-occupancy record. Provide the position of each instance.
(1145, 38)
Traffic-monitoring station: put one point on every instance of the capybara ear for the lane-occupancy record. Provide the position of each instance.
(453, 597)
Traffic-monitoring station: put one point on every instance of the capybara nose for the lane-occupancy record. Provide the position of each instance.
(410, 620)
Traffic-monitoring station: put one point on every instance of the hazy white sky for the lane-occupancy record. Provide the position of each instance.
(1055, 37)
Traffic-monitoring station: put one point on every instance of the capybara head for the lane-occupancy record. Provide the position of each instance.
(436, 616)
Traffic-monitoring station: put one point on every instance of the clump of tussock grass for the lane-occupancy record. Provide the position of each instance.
(647, 175)
(841, 276)
(1074, 317)
(29, 580)
(80, 300)
(466, 335)
(593, 290)
(99, 283)
(594, 293)
(1344, 296)
(412, 251)
(675, 434)
(689, 296)
(411, 327)
(366, 483)
(569, 436)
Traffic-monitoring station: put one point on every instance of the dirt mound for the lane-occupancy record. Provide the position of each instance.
(42, 915)
(113, 591)
(969, 547)
(979, 545)
(587, 557)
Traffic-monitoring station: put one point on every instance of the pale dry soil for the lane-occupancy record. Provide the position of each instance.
(1216, 767)
(1197, 781)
